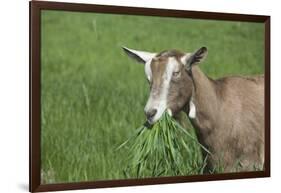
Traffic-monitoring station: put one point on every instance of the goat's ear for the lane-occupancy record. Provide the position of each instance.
(139, 56)
(197, 57)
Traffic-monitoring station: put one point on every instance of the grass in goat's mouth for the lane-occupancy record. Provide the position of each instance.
(163, 149)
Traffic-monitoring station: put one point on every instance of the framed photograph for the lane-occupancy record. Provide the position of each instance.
(123, 96)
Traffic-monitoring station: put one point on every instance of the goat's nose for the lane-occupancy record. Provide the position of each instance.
(150, 113)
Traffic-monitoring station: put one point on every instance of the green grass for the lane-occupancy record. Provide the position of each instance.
(93, 95)
(163, 149)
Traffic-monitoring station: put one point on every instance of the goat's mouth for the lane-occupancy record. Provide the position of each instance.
(153, 119)
(148, 124)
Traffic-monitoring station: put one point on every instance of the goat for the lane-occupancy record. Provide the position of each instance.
(227, 113)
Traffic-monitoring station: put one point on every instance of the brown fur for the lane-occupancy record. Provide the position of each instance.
(158, 66)
(180, 88)
(230, 120)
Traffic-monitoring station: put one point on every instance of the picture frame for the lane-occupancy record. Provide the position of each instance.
(35, 102)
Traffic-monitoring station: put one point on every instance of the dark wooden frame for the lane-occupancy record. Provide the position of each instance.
(35, 93)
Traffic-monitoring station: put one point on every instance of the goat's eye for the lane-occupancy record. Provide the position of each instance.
(176, 74)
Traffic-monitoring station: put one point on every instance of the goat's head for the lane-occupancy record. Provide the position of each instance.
(170, 79)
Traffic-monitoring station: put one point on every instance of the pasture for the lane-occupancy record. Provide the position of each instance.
(93, 95)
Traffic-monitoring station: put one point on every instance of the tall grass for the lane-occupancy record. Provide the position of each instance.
(93, 95)
(164, 149)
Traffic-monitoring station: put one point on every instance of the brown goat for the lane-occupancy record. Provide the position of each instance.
(227, 113)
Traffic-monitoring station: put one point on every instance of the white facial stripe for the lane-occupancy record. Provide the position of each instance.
(171, 67)
(160, 103)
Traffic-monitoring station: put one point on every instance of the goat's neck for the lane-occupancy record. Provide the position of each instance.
(205, 101)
